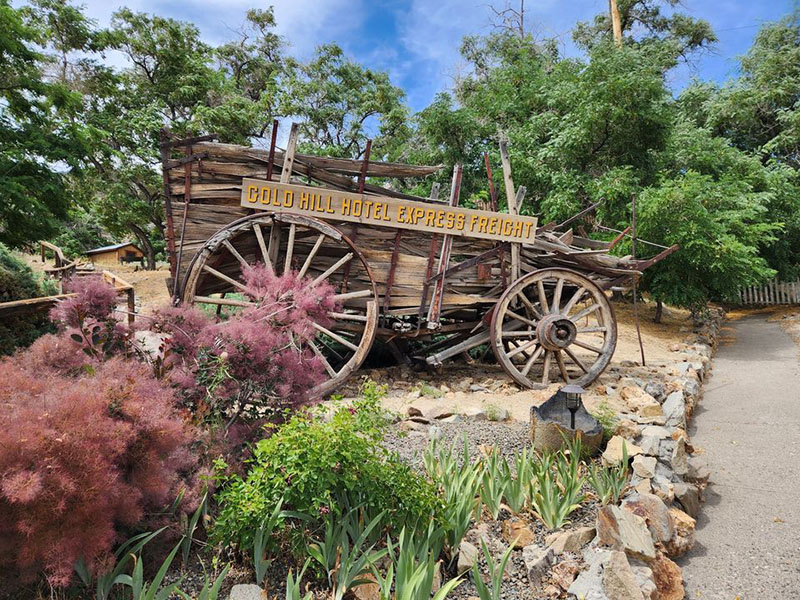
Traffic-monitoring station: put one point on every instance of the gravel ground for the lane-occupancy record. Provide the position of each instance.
(509, 437)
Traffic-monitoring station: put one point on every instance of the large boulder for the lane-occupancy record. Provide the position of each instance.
(623, 530)
(654, 512)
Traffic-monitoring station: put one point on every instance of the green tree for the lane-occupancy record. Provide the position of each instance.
(341, 104)
(38, 139)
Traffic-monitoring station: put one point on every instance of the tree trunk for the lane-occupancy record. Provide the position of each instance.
(659, 309)
(147, 246)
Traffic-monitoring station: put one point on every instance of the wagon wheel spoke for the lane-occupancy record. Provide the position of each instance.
(546, 367)
(562, 367)
(557, 297)
(262, 245)
(574, 300)
(542, 297)
(576, 360)
(532, 359)
(315, 349)
(585, 312)
(304, 269)
(287, 263)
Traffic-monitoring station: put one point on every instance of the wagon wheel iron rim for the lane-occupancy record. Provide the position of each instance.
(553, 324)
(315, 250)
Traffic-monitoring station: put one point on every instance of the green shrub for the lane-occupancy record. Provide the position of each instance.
(18, 282)
(607, 417)
(318, 466)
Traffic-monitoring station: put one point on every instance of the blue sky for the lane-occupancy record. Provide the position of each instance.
(417, 41)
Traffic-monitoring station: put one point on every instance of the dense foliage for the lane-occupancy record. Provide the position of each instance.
(18, 282)
(82, 456)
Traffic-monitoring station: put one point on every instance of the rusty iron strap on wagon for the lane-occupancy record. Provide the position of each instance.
(384, 211)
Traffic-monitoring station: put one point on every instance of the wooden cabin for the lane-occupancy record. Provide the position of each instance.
(116, 254)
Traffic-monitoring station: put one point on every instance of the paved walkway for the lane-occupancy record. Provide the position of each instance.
(748, 423)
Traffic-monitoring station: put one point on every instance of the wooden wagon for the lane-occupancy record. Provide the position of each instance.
(428, 278)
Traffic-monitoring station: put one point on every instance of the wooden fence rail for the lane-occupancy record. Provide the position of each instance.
(775, 292)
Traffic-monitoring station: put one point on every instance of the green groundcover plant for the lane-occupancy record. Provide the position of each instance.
(318, 466)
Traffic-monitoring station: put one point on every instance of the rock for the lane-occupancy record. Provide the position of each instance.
(370, 590)
(644, 466)
(623, 530)
(697, 469)
(537, 562)
(413, 411)
(477, 388)
(496, 413)
(656, 389)
(420, 420)
(464, 384)
(688, 495)
(613, 452)
(517, 531)
(570, 541)
(627, 429)
(440, 412)
(655, 514)
(675, 410)
(452, 419)
(413, 394)
(247, 591)
(619, 581)
(435, 433)
(659, 420)
(564, 573)
(668, 579)
(478, 414)
(644, 578)
(679, 460)
(650, 445)
(683, 539)
(643, 487)
(691, 387)
(437, 577)
(479, 533)
(589, 583)
(656, 431)
(467, 556)
(639, 401)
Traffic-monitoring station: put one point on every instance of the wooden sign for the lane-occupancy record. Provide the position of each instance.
(382, 211)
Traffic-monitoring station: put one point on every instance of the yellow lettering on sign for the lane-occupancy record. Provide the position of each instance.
(337, 205)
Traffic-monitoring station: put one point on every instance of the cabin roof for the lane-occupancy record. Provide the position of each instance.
(112, 247)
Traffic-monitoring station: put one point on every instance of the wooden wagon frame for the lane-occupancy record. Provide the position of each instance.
(428, 278)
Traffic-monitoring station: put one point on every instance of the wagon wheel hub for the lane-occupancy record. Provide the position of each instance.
(556, 332)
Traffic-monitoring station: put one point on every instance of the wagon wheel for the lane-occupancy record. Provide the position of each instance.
(553, 324)
(316, 251)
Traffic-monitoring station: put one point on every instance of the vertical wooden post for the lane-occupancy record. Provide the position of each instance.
(444, 258)
(616, 23)
(288, 158)
(131, 306)
(513, 209)
(286, 174)
(271, 159)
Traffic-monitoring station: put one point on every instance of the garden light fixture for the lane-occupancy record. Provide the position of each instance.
(572, 395)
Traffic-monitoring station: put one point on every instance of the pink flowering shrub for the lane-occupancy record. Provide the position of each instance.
(88, 318)
(255, 361)
(82, 457)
